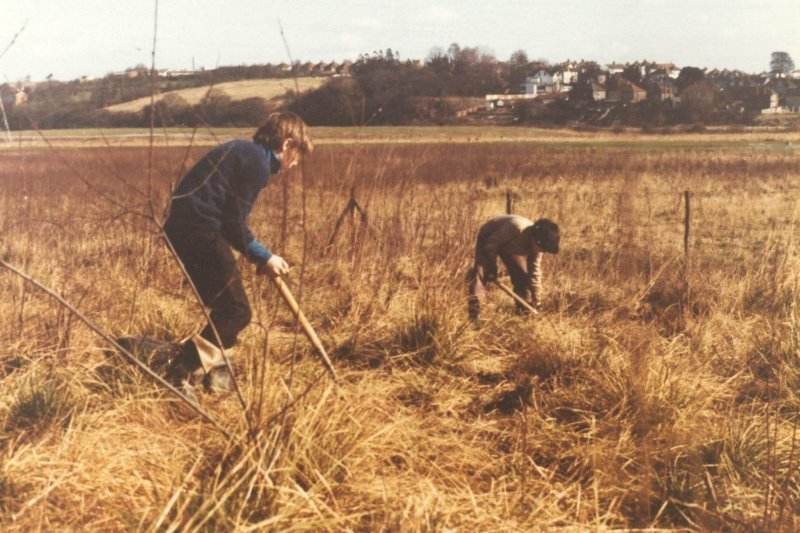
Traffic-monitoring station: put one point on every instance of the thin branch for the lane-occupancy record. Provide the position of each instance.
(125, 353)
(289, 55)
(13, 40)
(3, 107)
(153, 76)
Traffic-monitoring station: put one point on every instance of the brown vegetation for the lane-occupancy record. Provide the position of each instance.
(652, 392)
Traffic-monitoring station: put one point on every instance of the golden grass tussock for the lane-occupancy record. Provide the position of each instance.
(655, 390)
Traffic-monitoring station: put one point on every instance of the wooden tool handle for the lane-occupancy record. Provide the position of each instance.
(287, 296)
(516, 298)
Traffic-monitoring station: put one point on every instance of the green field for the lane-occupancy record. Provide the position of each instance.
(755, 140)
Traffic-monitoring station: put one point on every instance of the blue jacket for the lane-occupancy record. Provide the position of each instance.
(218, 193)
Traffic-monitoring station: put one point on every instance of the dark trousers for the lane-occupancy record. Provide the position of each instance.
(484, 271)
(209, 261)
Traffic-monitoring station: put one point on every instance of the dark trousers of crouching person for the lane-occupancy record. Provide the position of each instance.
(212, 268)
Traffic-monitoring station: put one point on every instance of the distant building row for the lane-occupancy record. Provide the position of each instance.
(658, 82)
(298, 69)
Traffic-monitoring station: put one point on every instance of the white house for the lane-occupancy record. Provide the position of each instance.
(175, 73)
(615, 68)
(567, 76)
(541, 82)
(563, 80)
(598, 92)
(783, 103)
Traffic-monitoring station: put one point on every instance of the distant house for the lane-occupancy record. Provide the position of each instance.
(494, 101)
(781, 85)
(21, 97)
(624, 91)
(598, 92)
(567, 76)
(631, 92)
(541, 78)
(345, 68)
(329, 69)
(615, 68)
(175, 73)
(136, 71)
(669, 69)
(306, 68)
(663, 89)
(541, 82)
(783, 102)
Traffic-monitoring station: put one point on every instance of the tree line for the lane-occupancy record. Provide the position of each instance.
(382, 88)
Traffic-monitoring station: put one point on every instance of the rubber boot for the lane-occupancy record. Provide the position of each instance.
(181, 369)
(217, 377)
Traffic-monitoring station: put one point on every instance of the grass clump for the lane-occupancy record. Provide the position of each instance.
(38, 406)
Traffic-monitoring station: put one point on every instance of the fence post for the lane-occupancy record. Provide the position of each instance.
(509, 202)
(687, 221)
(687, 224)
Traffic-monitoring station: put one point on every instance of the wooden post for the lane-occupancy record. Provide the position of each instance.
(687, 221)
(687, 224)
(509, 202)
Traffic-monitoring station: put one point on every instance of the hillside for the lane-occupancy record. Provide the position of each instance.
(238, 90)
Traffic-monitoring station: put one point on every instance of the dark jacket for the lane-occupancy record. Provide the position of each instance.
(218, 193)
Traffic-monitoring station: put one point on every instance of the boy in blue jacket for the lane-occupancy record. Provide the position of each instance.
(207, 217)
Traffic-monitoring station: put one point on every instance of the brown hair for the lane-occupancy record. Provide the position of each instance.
(546, 234)
(281, 126)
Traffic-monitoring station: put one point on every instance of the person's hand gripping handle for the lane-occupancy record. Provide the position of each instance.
(275, 266)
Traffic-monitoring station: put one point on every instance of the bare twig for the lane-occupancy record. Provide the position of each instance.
(153, 77)
(13, 40)
(125, 353)
(2, 106)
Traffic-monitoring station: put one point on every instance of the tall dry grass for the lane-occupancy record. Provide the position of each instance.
(656, 391)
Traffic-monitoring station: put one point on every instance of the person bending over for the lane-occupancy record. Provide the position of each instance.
(519, 243)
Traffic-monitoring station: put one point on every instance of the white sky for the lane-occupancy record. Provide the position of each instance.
(70, 38)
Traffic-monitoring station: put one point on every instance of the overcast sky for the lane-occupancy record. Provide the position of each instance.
(70, 38)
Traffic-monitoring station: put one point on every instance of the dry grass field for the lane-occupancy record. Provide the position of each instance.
(268, 89)
(655, 391)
